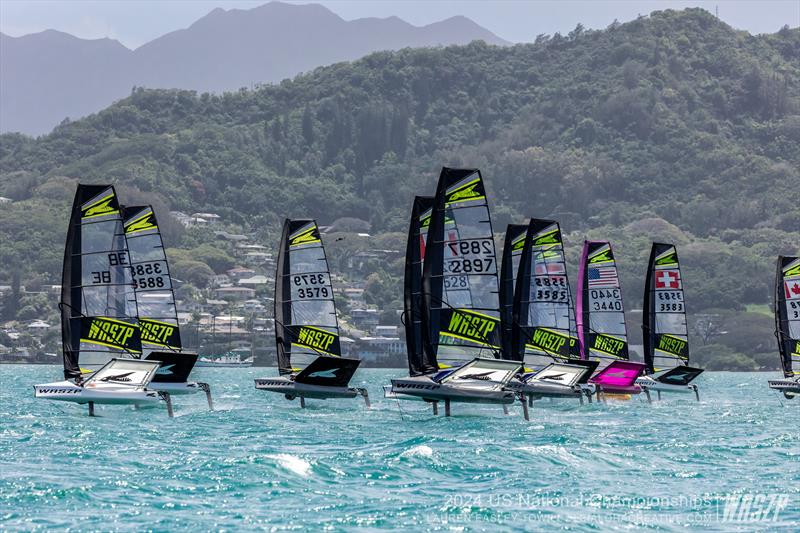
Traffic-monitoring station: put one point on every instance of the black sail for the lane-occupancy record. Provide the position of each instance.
(98, 304)
(459, 282)
(305, 313)
(155, 295)
(418, 362)
(512, 252)
(787, 314)
(543, 305)
(666, 334)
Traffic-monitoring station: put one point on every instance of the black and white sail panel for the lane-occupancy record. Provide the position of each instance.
(544, 301)
(787, 314)
(155, 297)
(666, 334)
(305, 314)
(418, 362)
(460, 286)
(98, 304)
(600, 311)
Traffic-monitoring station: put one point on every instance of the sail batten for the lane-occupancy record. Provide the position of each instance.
(666, 334)
(787, 314)
(460, 287)
(600, 313)
(305, 312)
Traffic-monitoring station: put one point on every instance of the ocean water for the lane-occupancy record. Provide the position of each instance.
(259, 462)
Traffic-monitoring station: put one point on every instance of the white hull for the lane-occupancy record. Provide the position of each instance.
(66, 391)
(654, 385)
(789, 387)
(291, 390)
(551, 390)
(424, 388)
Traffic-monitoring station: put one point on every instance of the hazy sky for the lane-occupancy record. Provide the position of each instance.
(134, 22)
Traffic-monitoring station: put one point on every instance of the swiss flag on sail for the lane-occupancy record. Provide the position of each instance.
(792, 289)
(668, 279)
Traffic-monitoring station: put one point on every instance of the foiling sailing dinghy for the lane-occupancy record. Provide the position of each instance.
(310, 360)
(99, 330)
(665, 331)
(600, 316)
(787, 325)
(451, 285)
(155, 301)
(540, 325)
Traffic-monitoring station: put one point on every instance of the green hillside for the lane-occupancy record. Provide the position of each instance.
(673, 127)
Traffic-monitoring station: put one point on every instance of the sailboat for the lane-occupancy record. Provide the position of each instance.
(99, 330)
(665, 331)
(541, 323)
(600, 317)
(310, 360)
(459, 308)
(155, 302)
(787, 325)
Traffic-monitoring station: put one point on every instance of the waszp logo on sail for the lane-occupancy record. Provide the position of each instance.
(609, 345)
(99, 207)
(469, 192)
(109, 333)
(306, 237)
(673, 345)
(548, 341)
(156, 332)
(315, 338)
(471, 326)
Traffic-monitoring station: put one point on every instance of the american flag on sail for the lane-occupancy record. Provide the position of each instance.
(603, 278)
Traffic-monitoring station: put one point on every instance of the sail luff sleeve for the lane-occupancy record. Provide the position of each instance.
(412, 287)
(71, 291)
(512, 252)
(648, 319)
(280, 303)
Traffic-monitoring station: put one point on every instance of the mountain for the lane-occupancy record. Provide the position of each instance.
(672, 127)
(51, 75)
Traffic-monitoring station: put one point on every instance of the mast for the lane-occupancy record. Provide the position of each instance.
(512, 252)
(543, 300)
(98, 304)
(787, 314)
(155, 295)
(600, 312)
(666, 334)
(418, 362)
(459, 282)
(305, 313)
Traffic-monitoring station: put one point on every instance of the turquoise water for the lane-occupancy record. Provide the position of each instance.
(260, 462)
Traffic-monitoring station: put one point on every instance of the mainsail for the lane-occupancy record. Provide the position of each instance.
(666, 335)
(543, 306)
(600, 313)
(305, 313)
(459, 282)
(787, 314)
(98, 305)
(512, 252)
(418, 363)
(155, 297)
